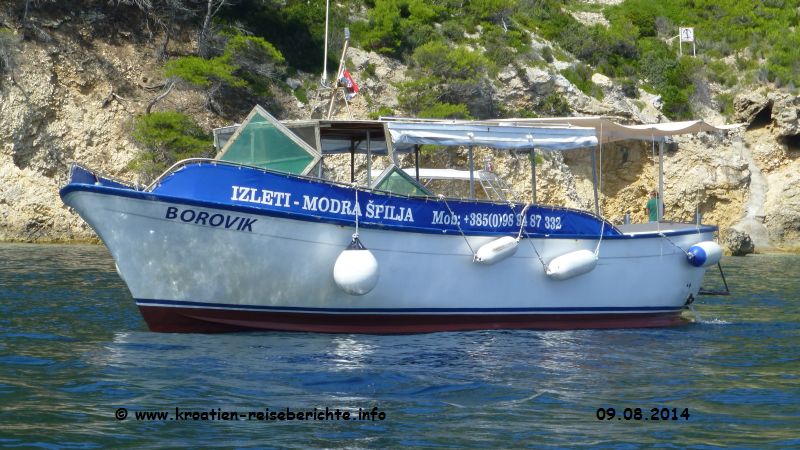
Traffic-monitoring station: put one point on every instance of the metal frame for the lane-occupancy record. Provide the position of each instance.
(258, 110)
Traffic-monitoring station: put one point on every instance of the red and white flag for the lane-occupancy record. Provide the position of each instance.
(349, 84)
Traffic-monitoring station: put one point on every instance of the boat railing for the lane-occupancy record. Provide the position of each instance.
(173, 168)
(495, 187)
(100, 177)
(185, 162)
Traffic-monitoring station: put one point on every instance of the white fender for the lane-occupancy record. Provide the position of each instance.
(571, 264)
(356, 269)
(704, 254)
(496, 250)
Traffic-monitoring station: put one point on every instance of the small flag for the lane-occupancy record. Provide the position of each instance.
(349, 84)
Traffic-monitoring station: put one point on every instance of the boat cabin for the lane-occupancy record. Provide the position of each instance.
(301, 146)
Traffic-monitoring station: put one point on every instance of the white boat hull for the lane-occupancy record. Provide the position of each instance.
(276, 273)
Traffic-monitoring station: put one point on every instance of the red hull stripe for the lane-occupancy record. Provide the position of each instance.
(582, 309)
(207, 320)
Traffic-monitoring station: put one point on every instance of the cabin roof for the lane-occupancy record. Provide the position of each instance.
(331, 136)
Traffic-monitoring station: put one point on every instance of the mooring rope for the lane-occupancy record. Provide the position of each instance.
(522, 231)
(602, 232)
(458, 224)
(522, 218)
(356, 210)
(600, 188)
(674, 244)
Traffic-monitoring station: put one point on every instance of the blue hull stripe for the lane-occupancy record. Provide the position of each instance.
(609, 309)
(149, 196)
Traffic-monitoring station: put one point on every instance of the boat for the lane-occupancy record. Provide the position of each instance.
(261, 238)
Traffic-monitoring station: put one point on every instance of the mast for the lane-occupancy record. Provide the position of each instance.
(660, 206)
(325, 58)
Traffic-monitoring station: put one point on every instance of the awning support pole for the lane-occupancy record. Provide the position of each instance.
(335, 88)
(416, 160)
(471, 174)
(369, 161)
(594, 182)
(660, 211)
(533, 174)
(352, 161)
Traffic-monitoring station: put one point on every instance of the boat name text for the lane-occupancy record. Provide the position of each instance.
(226, 221)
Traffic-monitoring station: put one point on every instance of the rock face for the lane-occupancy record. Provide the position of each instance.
(772, 147)
(749, 105)
(70, 102)
(73, 102)
(56, 112)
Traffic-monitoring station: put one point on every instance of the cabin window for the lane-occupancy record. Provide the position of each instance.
(396, 181)
(263, 142)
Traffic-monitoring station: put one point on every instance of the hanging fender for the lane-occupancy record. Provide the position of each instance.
(496, 250)
(571, 265)
(704, 254)
(356, 269)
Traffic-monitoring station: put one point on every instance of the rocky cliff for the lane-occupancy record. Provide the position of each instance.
(73, 95)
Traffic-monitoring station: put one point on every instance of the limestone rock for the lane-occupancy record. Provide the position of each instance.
(293, 83)
(540, 81)
(508, 73)
(738, 243)
(590, 19)
(748, 105)
(782, 206)
(602, 81)
(787, 120)
(378, 77)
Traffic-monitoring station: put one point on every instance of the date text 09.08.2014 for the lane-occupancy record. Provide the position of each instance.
(637, 414)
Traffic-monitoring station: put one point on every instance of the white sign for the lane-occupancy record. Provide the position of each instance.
(687, 34)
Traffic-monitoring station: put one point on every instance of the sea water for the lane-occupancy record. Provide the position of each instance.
(78, 369)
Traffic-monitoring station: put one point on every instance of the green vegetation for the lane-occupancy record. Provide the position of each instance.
(167, 137)
(725, 104)
(247, 61)
(201, 72)
(760, 34)
(750, 30)
(295, 27)
(395, 27)
(553, 105)
(301, 94)
(369, 70)
(447, 83)
(581, 76)
(246, 69)
(445, 111)
(382, 111)
(759, 40)
(478, 38)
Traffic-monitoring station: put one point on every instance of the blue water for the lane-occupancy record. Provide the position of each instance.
(73, 351)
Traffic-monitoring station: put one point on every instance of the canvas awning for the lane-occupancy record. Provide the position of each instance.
(559, 133)
(447, 174)
(500, 136)
(610, 131)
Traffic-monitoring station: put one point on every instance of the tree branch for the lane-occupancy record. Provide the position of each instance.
(170, 85)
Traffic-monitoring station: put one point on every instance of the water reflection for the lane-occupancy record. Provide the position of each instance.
(73, 349)
(351, 352)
